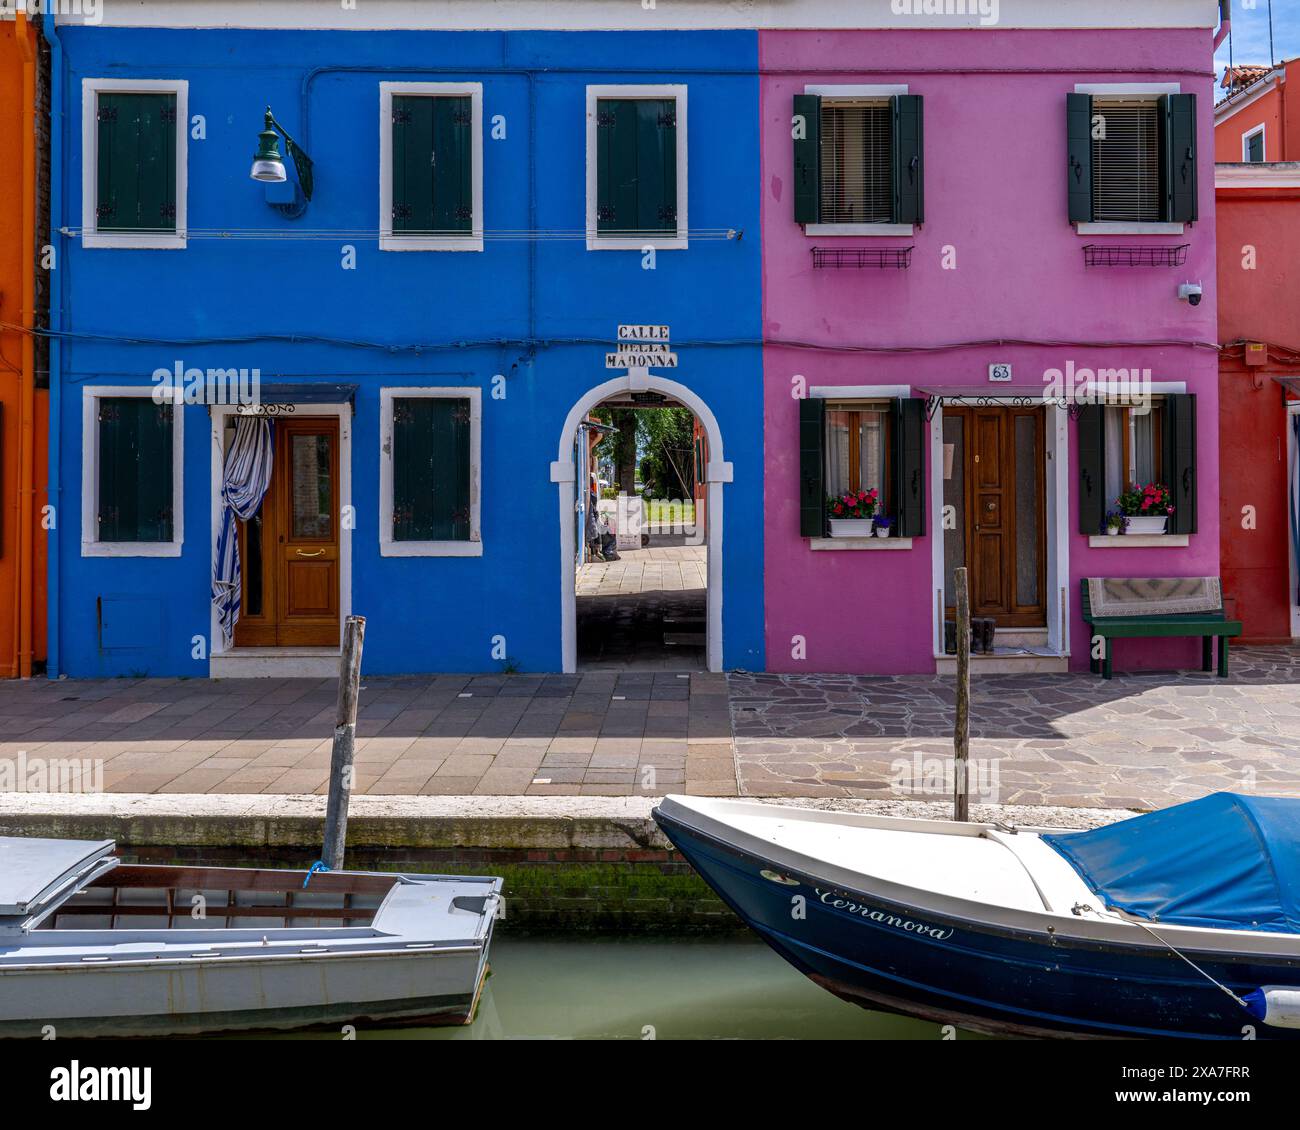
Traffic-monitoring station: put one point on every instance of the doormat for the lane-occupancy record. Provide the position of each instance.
(1153, 596)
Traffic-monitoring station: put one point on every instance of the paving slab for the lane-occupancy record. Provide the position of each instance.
(1137, 741)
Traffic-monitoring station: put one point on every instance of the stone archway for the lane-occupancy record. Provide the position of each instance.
(564, 474)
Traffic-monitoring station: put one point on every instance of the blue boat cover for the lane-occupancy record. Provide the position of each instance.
(1226, 861)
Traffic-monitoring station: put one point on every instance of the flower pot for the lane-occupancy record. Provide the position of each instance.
(1113, 531)
(850, 527)
(1147, 525)
(883, 531)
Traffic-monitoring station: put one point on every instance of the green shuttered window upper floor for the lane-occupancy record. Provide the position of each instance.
(135, 470)
(433, 168)
(1131, 159)
(135, 175)
(636, 166)
(431, 469)
(859, 161)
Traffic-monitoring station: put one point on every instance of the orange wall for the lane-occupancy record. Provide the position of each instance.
(1254, 562)
(1257, 305)
(1278, 110)
(17, 219)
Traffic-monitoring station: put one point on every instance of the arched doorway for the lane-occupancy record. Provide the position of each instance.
(564, 475)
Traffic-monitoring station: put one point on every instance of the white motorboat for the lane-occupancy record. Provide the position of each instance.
(90, 946)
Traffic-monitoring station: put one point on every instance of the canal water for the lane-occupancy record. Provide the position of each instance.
(682, 988)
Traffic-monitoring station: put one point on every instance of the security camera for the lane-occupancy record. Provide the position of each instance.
(1190, 293)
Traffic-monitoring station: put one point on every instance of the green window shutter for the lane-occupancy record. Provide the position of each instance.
(433, 165)
(636, 165)
(812, 467)
(908, 160)
(136, 154)
(909, 466)
(1178, 157)
(806, 129)
(1178, 460)
(1092, 468)
(431, 469)
(413, 181)
(657, 165)
(1078, 118)
(615, 165)
(135, 469)
(453, 166)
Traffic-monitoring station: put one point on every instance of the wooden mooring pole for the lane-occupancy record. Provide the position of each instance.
(345, 737)
(961, 726)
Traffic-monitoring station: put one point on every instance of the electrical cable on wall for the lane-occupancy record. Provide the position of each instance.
(534, 344)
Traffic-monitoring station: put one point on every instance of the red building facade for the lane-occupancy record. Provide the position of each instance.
(1259, 394)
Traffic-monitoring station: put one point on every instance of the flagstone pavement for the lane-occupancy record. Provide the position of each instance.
(1137, 741)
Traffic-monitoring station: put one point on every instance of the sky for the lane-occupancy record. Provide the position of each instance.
(1250, 33)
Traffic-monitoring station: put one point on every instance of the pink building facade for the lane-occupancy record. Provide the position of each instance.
(949, 313)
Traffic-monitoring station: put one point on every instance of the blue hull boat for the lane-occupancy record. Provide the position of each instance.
(1182, 924)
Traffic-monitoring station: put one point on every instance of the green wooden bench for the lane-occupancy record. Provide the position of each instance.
(1207, 625)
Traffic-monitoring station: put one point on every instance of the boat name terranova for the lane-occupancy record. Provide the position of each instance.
(938, 933)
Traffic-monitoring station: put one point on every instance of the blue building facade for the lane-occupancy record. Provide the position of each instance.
(511, 321)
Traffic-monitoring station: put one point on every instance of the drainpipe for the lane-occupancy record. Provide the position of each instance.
(1225, 22)
(24, 587)
(51, 33)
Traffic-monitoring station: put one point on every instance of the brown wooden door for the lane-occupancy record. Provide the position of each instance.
(989, 538)
(1005, 547)
(290, 549)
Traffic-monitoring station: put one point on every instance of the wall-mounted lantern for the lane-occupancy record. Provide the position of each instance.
(268, 164)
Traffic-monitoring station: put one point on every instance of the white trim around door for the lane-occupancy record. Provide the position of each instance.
(1056, 518)
(283, 662)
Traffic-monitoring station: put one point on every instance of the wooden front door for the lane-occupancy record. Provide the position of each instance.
(997, 496)
(290, 548)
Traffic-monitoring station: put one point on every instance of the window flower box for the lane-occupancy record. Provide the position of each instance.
(852, 514)
(1140, 525)
(1146, 508)
(850, 527)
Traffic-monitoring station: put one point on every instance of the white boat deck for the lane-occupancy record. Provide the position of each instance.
(1013, 870)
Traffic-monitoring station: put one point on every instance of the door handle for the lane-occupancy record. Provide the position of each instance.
(309, 553)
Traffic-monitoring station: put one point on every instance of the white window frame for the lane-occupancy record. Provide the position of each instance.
(1158, 391)
(388, 241)
(387, 546)
(1261, 133)
(883, 395)
(847, 94)
(596, 242)
(1127, 474)
(91, 236)
(1146, 91)
(91, 546)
